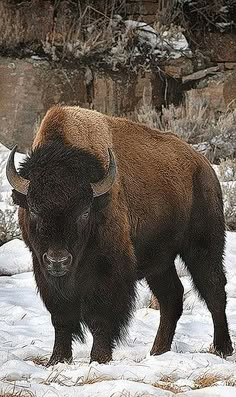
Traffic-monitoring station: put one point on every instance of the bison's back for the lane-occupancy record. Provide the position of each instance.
(156, 169)
(160, 175)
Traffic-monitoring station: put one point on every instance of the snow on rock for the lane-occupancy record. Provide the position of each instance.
(26, 341)
(162, 43)
(14, 258)
(146, 32)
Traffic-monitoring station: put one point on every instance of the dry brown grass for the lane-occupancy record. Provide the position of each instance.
(209, 380)
(38, 360)
(168, 387)
(205, 380)
(167, 383)
(92, 381)
(14, 393)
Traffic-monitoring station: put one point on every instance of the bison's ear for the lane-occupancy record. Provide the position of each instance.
(19, 199)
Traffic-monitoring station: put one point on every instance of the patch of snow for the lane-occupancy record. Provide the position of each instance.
(14, 258)
(145, 32)
(214, 391)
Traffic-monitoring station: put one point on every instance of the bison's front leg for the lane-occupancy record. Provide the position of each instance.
(105, 332)
(106, 313)
(67, 325)
(102, 346)
(62, 350)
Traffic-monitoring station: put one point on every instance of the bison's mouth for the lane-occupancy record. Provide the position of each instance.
(57, 273)
(57, 269)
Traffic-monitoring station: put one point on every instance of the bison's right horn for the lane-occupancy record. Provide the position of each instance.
(104, 185)
(18, 183)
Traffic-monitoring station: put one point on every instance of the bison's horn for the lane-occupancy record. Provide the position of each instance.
(16, 181)
(104, 185)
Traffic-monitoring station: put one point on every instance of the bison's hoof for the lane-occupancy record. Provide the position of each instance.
(223, 350)
(101, 358)
(57, 359)
(156, 351)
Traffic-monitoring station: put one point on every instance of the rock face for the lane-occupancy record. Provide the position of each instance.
(218, 91)
(29, 87)
(145, 9)
(229, 89)
(221, 47)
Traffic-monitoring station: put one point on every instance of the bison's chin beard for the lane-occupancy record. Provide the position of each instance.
(57, 273)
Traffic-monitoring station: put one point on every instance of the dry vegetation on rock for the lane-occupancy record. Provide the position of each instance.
(214, 135)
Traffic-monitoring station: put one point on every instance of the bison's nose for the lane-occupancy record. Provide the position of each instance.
(58, 262)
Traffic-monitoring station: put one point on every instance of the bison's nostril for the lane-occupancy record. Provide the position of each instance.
(69, 259)
(56, 259)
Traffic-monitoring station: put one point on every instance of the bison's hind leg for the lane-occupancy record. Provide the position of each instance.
(205, 266)
(168, 290)
(202, 253)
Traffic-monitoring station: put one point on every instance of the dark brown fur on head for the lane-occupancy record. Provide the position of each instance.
(166, 201)
(59, 195)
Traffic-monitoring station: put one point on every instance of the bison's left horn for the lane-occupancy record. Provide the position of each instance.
(103, 186)
(18, 183)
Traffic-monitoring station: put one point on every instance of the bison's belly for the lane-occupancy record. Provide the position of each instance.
(156, 249)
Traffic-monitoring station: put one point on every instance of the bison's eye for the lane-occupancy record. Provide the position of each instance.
(33, 214)
(85, 214)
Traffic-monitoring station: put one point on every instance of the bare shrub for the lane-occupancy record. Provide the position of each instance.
(189, 121)
(62, 28)
(195, 123)
(198, 17)
(227, 176)
(9, 227)
(148, 115)
(88, 31)
(80, 31)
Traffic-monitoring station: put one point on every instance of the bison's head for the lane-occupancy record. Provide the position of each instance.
(59, 187)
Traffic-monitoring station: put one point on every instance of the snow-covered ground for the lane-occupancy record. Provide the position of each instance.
(26, 340)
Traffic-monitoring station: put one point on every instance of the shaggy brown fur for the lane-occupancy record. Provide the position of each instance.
(166, 201)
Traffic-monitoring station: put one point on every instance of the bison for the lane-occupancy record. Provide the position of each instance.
(104, 201)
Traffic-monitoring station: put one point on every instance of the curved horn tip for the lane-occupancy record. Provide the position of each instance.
(103, 186)
(16, 181)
